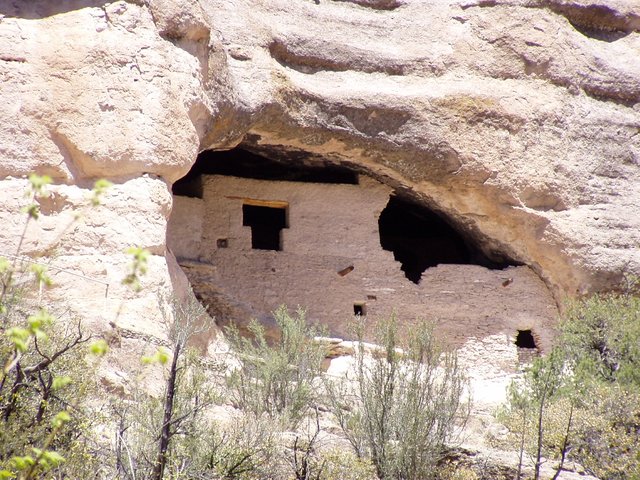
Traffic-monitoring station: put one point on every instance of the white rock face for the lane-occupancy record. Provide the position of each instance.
(519, 120)
(114, 91)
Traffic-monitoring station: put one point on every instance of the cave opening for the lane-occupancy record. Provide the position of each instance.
(245, 164)
(419, 239)
(248, 244)
(525, 339)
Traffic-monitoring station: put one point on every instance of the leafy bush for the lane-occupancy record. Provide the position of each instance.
(601, 337)
(44, 377)
(42, 390)
(582, 401)
(242, 450)
(345, 465)
(406, 405)
(278, 380)
(155, 433)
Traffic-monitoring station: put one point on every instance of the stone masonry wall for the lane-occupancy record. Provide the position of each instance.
(333, 227)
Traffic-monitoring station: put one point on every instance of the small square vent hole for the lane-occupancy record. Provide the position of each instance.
(359, 309)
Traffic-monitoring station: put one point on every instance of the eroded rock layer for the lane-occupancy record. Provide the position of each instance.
(502, 115)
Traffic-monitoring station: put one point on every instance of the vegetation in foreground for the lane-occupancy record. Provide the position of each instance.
(407, 403)
(173, 435)
(581, 402)
(56, 423)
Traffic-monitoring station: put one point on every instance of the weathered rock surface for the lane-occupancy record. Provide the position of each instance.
(328, 259)
(503, 115)
(517, 119)
(96, 89)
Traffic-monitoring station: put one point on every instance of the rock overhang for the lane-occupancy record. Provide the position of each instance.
(501, 115)
(489, 118)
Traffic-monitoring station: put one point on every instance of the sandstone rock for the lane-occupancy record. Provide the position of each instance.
(475, 107)
(177, 21)
(515, 119)
(518, 120)
(109, 97)
(93, 90)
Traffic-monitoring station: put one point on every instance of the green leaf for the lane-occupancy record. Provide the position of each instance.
(102, 184)
(161, 356)
(51, 459)
(59, 382)
(21, 463)
(138, 266)
(4, 474)
(99, 348)
(40, 272)
(38, 321)
(39, 182)
(33, 211)
(99, 188)
(19, 336)
(5, 265)
(60, 419)
(140, 254)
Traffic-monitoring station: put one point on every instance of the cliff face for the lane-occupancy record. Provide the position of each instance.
(517, 120)
(90, 90)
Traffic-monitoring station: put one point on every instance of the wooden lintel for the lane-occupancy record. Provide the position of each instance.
(261, 203)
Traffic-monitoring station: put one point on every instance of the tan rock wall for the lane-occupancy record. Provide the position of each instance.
(503, 115)
(184, 230)
(83, 248)
(96, 89)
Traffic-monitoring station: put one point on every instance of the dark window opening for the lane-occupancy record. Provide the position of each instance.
(359, 309)
(371, 297)
(295, 167)
(419, 239)
(266, 223)
(222, 243)
(524, 339)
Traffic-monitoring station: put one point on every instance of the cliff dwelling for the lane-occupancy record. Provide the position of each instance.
(253, 233)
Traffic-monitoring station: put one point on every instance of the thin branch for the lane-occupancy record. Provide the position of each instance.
(49, 360)
(565, 445)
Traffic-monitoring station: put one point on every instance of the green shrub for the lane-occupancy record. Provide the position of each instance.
(245, 449)
(159, 435)
(43, 386)
(601, 337)
(341, 464)
(278, 380)
(407, 402)
(582, 401)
